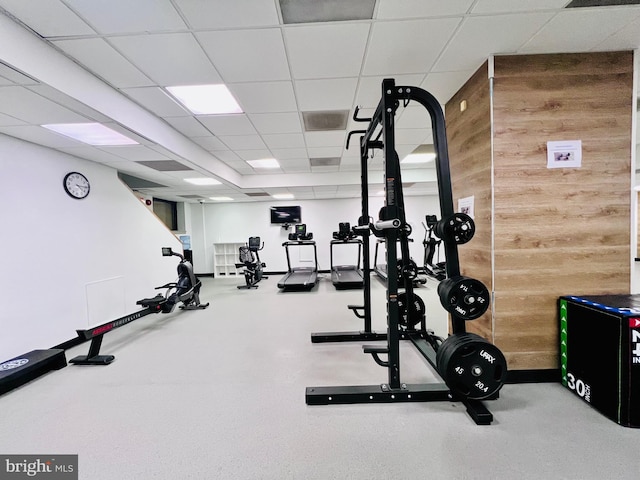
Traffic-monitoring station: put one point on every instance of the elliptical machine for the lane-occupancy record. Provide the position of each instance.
(186, 290)
(249, 261)
(431, 245)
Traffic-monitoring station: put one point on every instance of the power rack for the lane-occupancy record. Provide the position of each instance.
(472, 368)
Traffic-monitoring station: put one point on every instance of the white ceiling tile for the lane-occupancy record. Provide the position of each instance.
(443, 85)
(207, 14)
(8, 121)
(165, 152)
(71, 103)
(256, 54)
(579, 29)
(188, 126)
(313, 49)
(168, 59)
(15, 77)
(227, 156)
(102, 59)
(410, 46)
(328, 168)
(471, 45)
(297, 168)
(276, 122)
(39, 135)
(265, 97)
(501, 6)
(325, 139)
(156, 100)
(414, 117)
(370, 88)
(243, 142)
(254, 154)
(289, 153)
(48, 18)
(294, 162)
(91, 153)
(227, 124)
(134, 153)
(108, 16)
(626, 38)
(324, 152)
(349, 167)
(284, 140)
(26, 105)
(329, 94)
(421, 8)
(412, 136)
(301, 168)
(210, 143)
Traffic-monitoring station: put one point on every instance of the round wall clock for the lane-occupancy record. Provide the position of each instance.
(76, 185)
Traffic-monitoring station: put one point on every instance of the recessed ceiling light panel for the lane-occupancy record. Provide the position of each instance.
(264, 163)
(90, 133)
(206, 99)
(283, 196)
(202, 181)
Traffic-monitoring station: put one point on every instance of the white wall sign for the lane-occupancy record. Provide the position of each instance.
(564, 154)
(465, 205)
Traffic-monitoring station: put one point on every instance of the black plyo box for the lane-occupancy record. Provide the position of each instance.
(600, 353)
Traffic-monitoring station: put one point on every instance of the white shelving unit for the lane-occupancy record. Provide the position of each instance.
(225, 256)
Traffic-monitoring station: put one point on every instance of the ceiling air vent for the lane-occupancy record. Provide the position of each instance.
(309, 11)
(257, 194)
(601, 3)
(165, 165)
(324, 162)
(193, 197)
(325, 120)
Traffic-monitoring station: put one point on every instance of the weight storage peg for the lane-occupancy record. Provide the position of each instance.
(458, 228)
(463, 296)
(471, 366)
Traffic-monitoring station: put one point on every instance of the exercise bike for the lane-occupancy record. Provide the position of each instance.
(249, 261)
(186, 290)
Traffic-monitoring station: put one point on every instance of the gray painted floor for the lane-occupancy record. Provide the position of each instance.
(219, 394)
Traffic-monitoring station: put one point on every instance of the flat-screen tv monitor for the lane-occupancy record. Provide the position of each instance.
(285, 214)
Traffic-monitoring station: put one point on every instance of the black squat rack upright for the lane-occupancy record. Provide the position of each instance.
(472, 369)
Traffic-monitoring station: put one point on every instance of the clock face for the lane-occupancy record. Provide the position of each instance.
(76, 185)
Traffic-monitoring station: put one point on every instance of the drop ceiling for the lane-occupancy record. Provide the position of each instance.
(109, 61)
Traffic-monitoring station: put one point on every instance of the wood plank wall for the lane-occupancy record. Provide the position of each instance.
(469, 142)
(556, 231)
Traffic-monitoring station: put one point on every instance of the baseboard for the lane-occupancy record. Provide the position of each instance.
(533, 376)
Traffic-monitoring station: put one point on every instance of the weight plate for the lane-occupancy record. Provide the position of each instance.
(411, 312)
(458, 228)
(463, 296)
(471, 366)
(410, 271)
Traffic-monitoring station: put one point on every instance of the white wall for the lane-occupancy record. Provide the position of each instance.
(69, 264)
(236, 222)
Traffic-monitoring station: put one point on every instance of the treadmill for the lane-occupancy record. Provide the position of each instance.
(300, 278)
(346, 276)
(380, 268)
